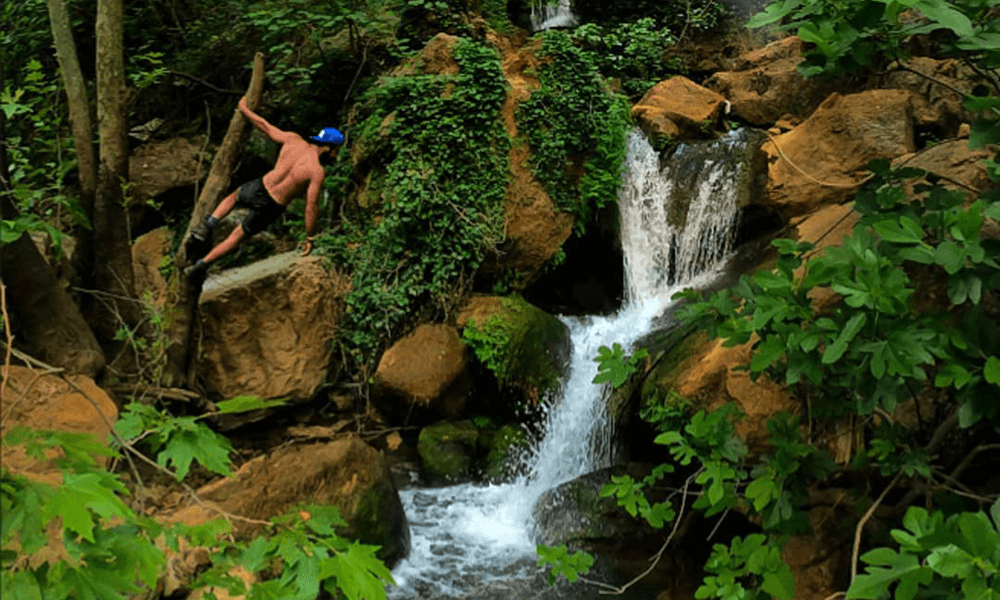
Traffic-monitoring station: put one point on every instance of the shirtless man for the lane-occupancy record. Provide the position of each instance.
(296, 172)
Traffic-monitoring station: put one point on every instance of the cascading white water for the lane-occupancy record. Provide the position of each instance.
(550, 15)
(463, 535)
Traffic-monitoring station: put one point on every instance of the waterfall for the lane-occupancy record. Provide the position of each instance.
(546, 14)
(677, 228)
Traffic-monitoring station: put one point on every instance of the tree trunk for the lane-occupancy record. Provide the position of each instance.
(113, 276)
(184, 300)
(42, 313)
(79, 117)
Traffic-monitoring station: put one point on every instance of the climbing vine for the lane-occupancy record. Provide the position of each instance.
(576, 129)
(437, 198)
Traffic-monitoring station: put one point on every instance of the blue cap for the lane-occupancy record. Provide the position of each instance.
(328, 135)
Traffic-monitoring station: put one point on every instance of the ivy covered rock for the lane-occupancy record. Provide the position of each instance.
(524, 347)
(448, 450)
(424, 374)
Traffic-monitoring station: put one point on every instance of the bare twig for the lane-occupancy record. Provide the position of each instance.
(656, 557)
(864, 519)
(201, 81)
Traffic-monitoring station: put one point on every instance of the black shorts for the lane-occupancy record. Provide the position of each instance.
(264, 209)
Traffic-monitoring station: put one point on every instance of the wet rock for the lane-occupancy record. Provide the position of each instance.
(822, 160)
(424, 374)
(575, 514)
(157, 167)
(43, 401)
(346, 473)
(524, 347)
(764, 85)
(505, 447)
(148, 253)
(678, 107)
(448, 450)
(267, 328)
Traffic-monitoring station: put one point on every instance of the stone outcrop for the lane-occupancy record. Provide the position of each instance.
(764, 84)
(44, 401)
(266, 328)
(822, 160)
(157, 167)
(148, 252)
(678, 107)
(937, 83)
(424, 373)
(346, 473)
(528, 348)
(448, 450)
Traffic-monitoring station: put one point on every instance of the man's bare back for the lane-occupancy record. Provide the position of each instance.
(297, 166)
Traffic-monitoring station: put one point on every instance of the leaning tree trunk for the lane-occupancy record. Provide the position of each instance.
(113, 278)
(47, 322)
(184, 293)
(79, 118)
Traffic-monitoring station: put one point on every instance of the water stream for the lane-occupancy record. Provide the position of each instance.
(677, 227)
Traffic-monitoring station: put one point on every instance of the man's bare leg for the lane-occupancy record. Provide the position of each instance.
(226, 245)
(226, 205)
(198, 269)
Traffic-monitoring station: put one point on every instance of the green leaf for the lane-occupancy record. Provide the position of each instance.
(780, 583)
(950, 256)
(876, 581)
(839, 346)
(991, 371)
(946, 15)
(951, 561)
(241, 404)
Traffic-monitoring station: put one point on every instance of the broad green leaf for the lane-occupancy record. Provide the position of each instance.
(873, 584)
(950, 561)
(780, 583)
(950, 256)
(991, 371)
(839, 346)
(947, 15)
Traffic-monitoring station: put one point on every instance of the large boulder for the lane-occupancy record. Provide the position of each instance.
(157, 167)
(267, 327)
(424, 373)
(40, 400)
(822, 160)
(346, 473)
(765, 85)
(524, 347)
(679, 107)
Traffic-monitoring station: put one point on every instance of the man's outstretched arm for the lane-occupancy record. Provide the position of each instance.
(277, 135)
(312, 210)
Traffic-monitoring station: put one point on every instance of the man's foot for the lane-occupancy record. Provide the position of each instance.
(196, 270)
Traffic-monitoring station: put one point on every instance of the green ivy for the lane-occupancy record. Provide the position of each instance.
(439, 194)
(576, 129)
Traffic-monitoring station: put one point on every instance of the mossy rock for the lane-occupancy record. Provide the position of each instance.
(448, 450)
(504, 444)
(522, 345)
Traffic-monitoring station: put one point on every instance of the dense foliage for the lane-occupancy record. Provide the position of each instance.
(441, 184)
(80, 539)
(573, 115)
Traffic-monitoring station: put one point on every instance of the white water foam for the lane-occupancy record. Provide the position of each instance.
(474, 531)
(546, 15)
